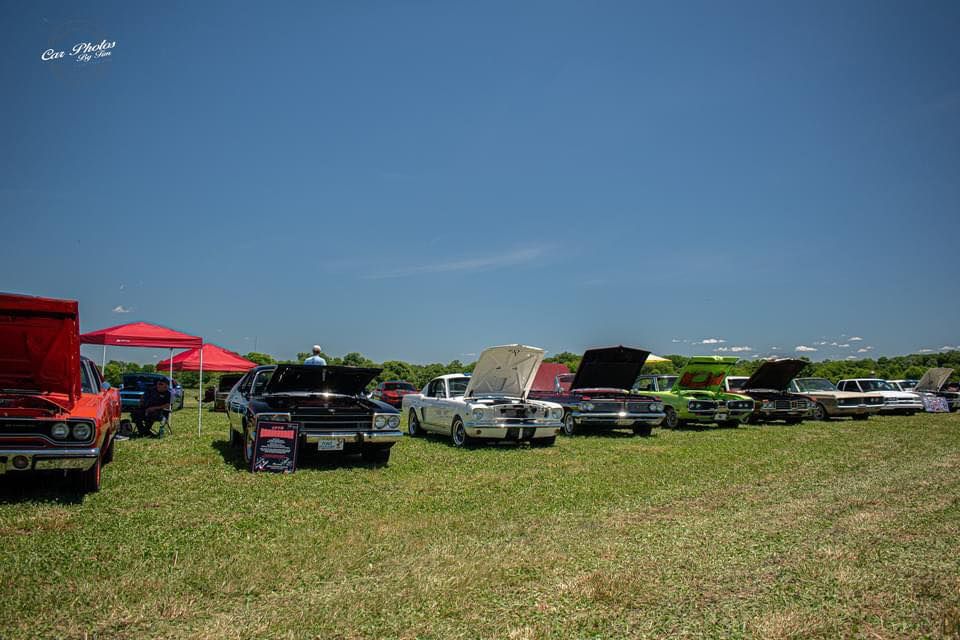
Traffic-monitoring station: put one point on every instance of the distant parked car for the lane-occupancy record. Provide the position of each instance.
(135, 385)
(903, 385)
(56, 413)
(392, 392)
(226, 382)
(934, 382)
(894, 401)
(833, 403)
(768, 388)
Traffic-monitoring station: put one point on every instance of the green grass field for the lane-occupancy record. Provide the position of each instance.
(837, 529)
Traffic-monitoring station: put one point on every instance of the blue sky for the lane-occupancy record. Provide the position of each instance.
(420, 180)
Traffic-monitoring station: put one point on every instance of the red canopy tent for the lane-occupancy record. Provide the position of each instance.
(546, 374)
(144, 334)
(214, 358)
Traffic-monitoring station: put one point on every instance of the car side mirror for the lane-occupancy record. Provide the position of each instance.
(104, 386)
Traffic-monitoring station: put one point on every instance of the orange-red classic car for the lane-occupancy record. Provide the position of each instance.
(56, 412)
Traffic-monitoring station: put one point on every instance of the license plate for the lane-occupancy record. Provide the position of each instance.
(721, 416)
(330, 445)
(624, 422)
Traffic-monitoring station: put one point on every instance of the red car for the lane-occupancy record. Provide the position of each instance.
(56, 412)
(392, 392)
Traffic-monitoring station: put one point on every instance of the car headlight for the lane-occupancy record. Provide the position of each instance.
(82, 431)
(479, 414)
(656, 406)
(768, 404)
(586, 406)
(393, 422)
(556, 413)
(380, 422)
(60, 430)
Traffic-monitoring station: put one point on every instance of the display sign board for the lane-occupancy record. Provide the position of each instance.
(275, 449)
(935, 404)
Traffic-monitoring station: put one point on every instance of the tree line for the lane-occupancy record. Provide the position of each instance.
(894, 368)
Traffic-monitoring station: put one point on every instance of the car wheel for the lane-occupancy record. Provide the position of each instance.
(670, 421)
(643, 430)
(820, 412)
(89, 480)
(569, 426)
(413, 425)
(248, 445)
(458, 433)
(127, 428)
(378, 455)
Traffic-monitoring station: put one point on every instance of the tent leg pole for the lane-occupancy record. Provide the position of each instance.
(200, 397)
(103, 362)
(171, 383)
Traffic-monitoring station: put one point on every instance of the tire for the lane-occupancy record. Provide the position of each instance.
(88, 481)
(458, 434)
(643, 430)
(180, 405)
(569, 426)
(543, 442)
(671, 420)
(377, 455)
(108, 454)
(127, 428)
(413, 425)
(247, 444)
(820, 413)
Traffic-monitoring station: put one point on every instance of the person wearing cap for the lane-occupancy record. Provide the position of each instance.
(156, 400)
(316, 358)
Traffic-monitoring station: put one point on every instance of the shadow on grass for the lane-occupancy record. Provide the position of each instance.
(307, 458)
(45, 486)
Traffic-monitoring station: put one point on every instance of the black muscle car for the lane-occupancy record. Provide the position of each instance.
(326, 402)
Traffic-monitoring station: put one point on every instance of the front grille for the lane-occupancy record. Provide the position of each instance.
(333, 419)
(517, 411)
(638, 407)
(607, 406)
(783, 405)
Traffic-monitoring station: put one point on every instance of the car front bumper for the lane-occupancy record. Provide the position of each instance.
(385, 436)
(619, 419)
(716, 415)
(858, 410)
(47, 459)
(893, 407)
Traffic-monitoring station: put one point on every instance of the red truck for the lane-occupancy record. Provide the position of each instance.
(56, 412)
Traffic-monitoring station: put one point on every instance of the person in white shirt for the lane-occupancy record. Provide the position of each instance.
(316, 358)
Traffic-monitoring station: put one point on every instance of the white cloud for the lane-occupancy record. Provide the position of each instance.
(675, 340)
(863, 350)
(820, 344)
(843, 346)
(712, 341)
(803, 348)
(484, 263)
(774, 348)
(722, 349)
(949, 348)
(856, 339)
(926, 350)
(851, 357)
(121, 309)
(739, 349)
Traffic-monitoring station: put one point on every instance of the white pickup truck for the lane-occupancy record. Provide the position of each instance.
(491, 404)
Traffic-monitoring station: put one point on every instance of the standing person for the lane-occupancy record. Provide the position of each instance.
(156, 400)
(316, 358)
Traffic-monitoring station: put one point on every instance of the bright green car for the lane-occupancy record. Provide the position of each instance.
(697, 395)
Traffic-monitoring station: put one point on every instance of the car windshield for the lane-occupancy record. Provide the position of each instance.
(260, 382)
(398, 386)
(645, 384)
(906, 385)
(666, 382)
(876, 385)
(736, 383)
(565, 380)
(815, 384)
(226, 382)
(458, 386)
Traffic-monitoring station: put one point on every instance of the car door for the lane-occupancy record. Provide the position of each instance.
(237, 401)
(432, 405)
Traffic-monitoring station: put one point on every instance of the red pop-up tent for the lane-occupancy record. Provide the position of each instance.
(144, 334)
(213, 358)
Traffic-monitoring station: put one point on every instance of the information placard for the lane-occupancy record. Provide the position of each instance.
(935, 404)
(275, 449)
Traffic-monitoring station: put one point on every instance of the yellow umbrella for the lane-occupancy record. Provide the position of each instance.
(652, 359)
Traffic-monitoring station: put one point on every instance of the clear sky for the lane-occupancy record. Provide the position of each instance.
(419, 180)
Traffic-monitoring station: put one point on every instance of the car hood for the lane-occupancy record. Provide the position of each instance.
(506, 370)
(775, 374)
(40, 347)
(299, 378)
(609, 368)
(933, 380)
(705, 373)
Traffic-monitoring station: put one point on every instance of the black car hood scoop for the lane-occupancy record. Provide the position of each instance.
(609, 368)
(300, 378)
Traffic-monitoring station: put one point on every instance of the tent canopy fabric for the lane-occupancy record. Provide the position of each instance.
(652, 359)
(214, 359)
(141, 334)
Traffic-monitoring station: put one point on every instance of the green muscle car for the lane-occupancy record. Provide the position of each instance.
(697, 394)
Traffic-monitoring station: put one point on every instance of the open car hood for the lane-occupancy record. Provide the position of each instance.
(705, 373)
(300, 378)
(775, 374)
(507, 370)
(40, 347)
(933, 380)
(609, 368)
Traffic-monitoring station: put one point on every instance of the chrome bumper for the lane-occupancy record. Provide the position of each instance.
(859, 410)
(47, 459)
(912, 406)
(355, 437)
(617, 419)
(534, 431)
(711, 415)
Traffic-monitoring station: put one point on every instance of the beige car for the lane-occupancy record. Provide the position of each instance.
(832, 403)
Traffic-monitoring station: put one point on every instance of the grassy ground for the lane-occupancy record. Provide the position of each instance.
(819, 530)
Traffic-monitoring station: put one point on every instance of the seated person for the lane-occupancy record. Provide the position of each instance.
(156, 401)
